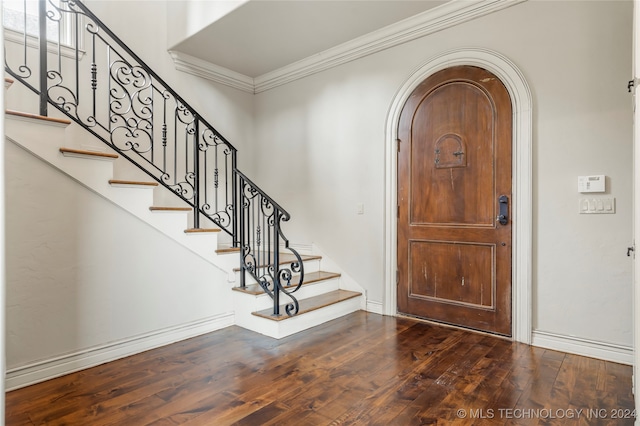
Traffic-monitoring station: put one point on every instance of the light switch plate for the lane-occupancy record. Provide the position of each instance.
(597, 205)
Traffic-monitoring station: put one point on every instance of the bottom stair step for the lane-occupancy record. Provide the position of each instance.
(311, 304)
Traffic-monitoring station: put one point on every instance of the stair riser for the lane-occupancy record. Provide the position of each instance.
(177, 222)
(19, 97)
(204, 243)
(139, 198)
(249, 303)
(280, 329)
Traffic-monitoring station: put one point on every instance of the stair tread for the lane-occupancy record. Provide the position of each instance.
(131, 182)
(286, 258)
(200, 230)
(311, 304)
(228, 250)
(170, 209)
(309, 278)
(88, 153)
(37, 117)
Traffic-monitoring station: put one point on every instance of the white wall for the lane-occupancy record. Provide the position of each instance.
(187, 17)
(323, 139)
(83, 273)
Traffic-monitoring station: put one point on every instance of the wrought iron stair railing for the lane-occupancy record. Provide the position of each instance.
(260, 218)
(96, 80)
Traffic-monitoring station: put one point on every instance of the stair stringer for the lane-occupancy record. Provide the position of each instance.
(44, 140)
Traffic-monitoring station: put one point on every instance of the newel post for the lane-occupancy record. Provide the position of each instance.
(276, 262)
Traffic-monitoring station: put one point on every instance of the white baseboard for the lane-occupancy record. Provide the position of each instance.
(59, 366)
(374, 307)
(591, 348)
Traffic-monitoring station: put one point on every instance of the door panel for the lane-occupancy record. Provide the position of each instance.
(469, 281)
(454, 162)
(454, 256)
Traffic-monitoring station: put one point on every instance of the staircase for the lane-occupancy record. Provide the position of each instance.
(215, 211)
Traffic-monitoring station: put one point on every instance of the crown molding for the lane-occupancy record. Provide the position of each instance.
(195, 66)
(429, 22)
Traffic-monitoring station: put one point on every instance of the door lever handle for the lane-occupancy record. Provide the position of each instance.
(503, 217)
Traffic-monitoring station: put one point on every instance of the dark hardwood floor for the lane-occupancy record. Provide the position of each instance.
(362, 369)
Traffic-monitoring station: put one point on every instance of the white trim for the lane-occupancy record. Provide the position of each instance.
(36, 372)
(374, 307)
(437, 19)
(3, 268)
(585, 347)
(423, 24)
(521, 100)
(204, 69)
(636, 201)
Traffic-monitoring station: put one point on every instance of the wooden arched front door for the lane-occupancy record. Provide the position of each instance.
(454, 201)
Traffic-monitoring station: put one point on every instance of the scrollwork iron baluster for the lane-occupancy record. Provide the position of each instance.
(260, 221)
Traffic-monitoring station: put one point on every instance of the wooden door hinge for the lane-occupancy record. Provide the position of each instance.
(398, 143)
(398, 211)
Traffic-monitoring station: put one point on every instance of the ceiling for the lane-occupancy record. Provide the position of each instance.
(262, 36)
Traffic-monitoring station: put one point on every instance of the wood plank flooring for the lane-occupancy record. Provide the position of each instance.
(362, 369)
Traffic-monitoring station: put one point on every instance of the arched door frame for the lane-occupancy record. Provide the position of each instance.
(522, 212)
